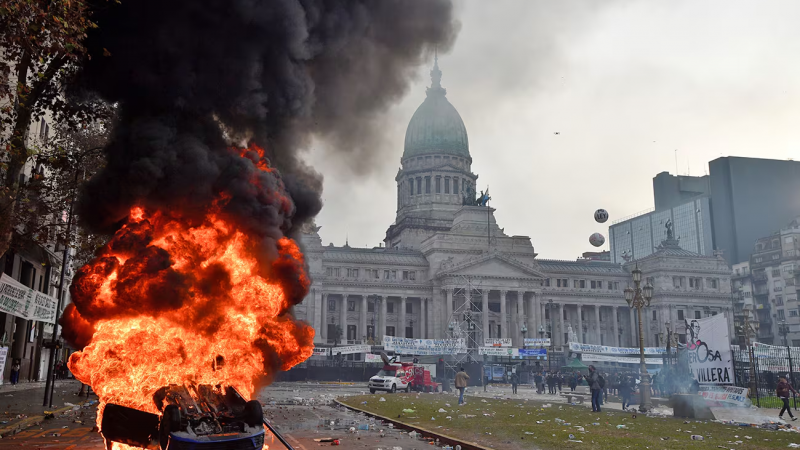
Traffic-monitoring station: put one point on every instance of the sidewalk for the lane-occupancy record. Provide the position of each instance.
(21, 405)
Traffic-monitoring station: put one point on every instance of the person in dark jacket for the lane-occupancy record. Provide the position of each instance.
(625, 391)
(514, 382)
(573, 383)
(593, 380)
(783, 390)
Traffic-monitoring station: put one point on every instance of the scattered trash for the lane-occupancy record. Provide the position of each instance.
(571, 437)
(622, 427)
(382, 399)
(697, 437)
(528, 432)
(442, 410)
(409, 411)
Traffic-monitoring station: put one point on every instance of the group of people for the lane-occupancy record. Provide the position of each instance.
(619, 384)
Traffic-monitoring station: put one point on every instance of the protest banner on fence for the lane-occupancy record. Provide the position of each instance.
(591, 348)
(619, 359)
(370, 358)
(709, 351)
(533, 352)
(498, 351)
(321, 351)
(724, 395)
(351, 349)
(408, 346)
(21, 301)
(536, 342)
(497, 342)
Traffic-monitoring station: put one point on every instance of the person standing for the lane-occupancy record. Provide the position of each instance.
(15, 367)
(625, 391)
(783, 390)
(573, 382)
(514, 382)
(593, 380)
(559, 381)
(537, 380)
(461, 384)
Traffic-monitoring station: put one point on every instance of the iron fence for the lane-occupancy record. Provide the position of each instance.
(761, 376)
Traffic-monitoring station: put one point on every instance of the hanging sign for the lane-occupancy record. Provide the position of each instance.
(590, 348)
(619, 359)
(497, 342)
(408, 346)
(351, 349)
(709, 351)
(533, 352)
(370, 358)
(725, 395)
(21, 301)
(321, 351)
(498, 351)
(536, 342)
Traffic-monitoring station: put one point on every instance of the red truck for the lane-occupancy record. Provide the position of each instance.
(402, 376)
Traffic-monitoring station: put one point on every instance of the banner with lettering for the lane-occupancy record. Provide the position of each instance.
(351, 349)
(3, 357)
(537, 342)
(21, 301)
(321, 351)
(725, 395)
(591, 348)
(497, 342)
(408, 346)
(498, 351)
(370, 358)
(538, 353)
(620, 359)
(709, 351)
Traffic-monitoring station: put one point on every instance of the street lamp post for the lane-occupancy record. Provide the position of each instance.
(783, 329)
(750, 329)
(639, 297)
(524, 330)
(550, 305)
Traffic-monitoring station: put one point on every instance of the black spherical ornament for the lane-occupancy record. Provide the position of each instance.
(601, 215)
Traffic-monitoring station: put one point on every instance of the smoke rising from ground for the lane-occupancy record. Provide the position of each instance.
(189, 76)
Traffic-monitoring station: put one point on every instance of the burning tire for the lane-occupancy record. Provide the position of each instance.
(253, 413)
(170, 421)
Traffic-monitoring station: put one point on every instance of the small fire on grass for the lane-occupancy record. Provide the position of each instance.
(189, 300)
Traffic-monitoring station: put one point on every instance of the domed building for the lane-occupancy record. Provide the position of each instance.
(447, 269)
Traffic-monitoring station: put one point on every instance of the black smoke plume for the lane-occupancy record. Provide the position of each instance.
(189, 76)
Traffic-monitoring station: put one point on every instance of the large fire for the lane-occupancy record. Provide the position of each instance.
(173, 299)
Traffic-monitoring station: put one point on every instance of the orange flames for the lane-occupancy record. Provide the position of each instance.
(174, 299)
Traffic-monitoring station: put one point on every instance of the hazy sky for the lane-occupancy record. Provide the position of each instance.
(624, 83)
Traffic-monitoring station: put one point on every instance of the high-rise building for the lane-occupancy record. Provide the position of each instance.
(750, 198)
(670, 191)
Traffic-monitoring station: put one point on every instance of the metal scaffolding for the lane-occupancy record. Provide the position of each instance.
(466, 321)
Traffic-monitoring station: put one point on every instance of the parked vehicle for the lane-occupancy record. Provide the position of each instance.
(403, 376)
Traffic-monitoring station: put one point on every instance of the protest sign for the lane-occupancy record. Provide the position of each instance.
(408, 346)
(536, 342)
(497, 342)
(724, 395)
(708, 350)
(591, 348)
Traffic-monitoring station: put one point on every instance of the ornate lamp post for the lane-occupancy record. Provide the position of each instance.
(619, 331)
(524, 330)
(541, 332)
(783, 329)
(639, 297)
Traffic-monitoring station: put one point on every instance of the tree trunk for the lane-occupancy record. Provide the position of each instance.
(16, 150)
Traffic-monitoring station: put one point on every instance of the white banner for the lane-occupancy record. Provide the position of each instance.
(497, 342)
(3, 356)
(351, 349)
(321, 351)
(370, 358)
(725, 395)
(498, 351)
(21, 301)
(709, 351)
(408, 346)
(591, 348)
(536, 342)
(619, 359)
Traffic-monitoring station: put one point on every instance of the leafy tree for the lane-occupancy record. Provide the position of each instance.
(41, 46)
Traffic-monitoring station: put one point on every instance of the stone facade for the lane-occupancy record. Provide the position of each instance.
(443, 256)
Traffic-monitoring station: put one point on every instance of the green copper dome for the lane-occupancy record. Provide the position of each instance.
(436, 127)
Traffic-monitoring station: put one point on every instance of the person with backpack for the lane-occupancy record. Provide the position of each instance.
(593, 380)
(514, 382)
(783, 390)
(625, 391)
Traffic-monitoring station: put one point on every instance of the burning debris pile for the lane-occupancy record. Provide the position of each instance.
(203, 190)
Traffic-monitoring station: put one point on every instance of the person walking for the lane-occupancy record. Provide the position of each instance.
(783, 390)
(573, 382)
(593, 380)
(625, 391)
(15, 367)
(514, 382)
(559, 381)
(461, 385)
(537, 380)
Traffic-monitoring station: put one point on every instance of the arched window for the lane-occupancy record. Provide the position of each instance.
(427, 185)
(446, 185)
(438, 184)
(410, 186)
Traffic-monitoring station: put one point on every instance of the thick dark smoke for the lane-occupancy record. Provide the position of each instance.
(190, 75)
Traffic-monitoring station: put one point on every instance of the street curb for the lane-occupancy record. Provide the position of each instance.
(30, 422)
(465, 445)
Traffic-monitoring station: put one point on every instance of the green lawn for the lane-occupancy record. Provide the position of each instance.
(515, 424)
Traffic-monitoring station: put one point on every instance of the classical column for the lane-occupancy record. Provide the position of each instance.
(317, 315)
(503, 321)
(382, 318)
(560, 309)
(402, 317)
(423, 322)
(520, 317)
(343, 317)
(532, 330)
(579, 331)
(448, 309)
(485, 313)
(614, 310)
(323, 331)
(597, 323)
(536, 308)
(363, 322)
